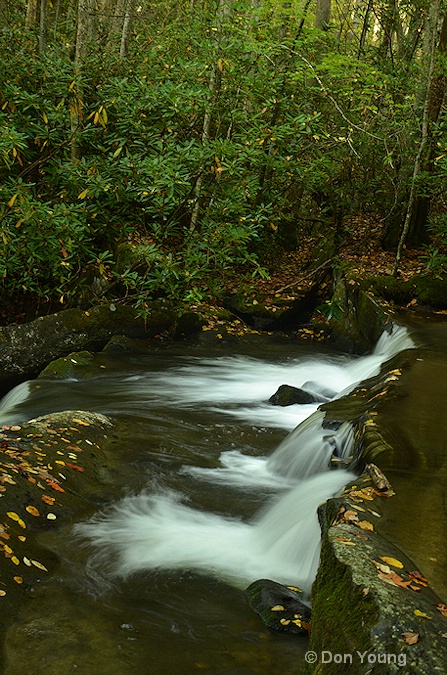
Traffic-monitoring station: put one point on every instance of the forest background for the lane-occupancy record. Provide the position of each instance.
(222, 140)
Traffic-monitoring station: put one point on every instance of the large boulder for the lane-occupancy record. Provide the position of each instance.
(26, 349)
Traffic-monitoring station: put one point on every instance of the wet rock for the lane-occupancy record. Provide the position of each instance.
(280, 607)
(287, 395)
(67, 366)
(368, 600)
(26, 349)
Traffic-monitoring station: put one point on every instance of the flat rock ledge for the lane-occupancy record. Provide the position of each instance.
(372, 611)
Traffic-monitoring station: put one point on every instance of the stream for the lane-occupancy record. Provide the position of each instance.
(213, 488)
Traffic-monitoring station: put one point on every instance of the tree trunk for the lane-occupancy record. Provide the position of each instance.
(323, 14)
(127, 25)
(413, 207)
(43, 26)
(223, 13)
(84, 34)
(31, 13)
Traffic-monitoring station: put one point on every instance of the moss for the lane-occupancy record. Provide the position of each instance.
(67, 366)
(344, 615)
(423, 288)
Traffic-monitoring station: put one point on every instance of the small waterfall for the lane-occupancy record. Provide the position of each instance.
(308, 449)
(13, 399)
(159, 532)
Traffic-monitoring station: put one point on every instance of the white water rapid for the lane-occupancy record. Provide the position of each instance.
(157, 530)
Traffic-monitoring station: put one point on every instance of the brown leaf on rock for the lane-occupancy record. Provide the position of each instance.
(366, 525)
(418, 578)
(350, 516)
(394, 579)
(411, 638)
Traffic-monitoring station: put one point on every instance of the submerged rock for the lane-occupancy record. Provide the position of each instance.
(280, 607)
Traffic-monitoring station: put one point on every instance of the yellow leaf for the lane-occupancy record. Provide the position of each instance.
(45, 118)
(39, 565)
(32, 510)
(22, 523)
(366, 525)
(220, 65)
(2, 592)
(78, 421)
(392, 561)
(7, 549)
(96, 118)
(15, 560)
(13, 515)
(4, 105)
(12, 200)
(83, 194)
(18, 580)
(422, 615)
(105, 119)
(277, 608)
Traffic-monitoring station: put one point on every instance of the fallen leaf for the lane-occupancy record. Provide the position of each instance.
(394, 579)
(350, 516)
(13, 515)
(48, 500)
(392, 561)
(81, 422)
(366, 525)
(32, 510)
(39, 565)
(18, 580)
(294, 588)
(15, 560)
(422, 615)
(75, 466)
(411, 638)
(55, 486)
(418, 578)
(284, 622)
(2, 592)
(51, 516)
(277, 608)
(442, 608)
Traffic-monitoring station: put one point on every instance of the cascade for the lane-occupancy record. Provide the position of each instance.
(159, 529)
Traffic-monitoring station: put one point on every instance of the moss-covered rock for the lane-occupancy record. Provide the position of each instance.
(361, 319)
(28, 348)
(370, 607)
(68, 366)
(424, 289)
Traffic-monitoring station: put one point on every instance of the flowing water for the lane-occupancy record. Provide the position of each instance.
(212, 493)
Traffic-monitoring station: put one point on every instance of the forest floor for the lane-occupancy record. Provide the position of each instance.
(292, 273)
